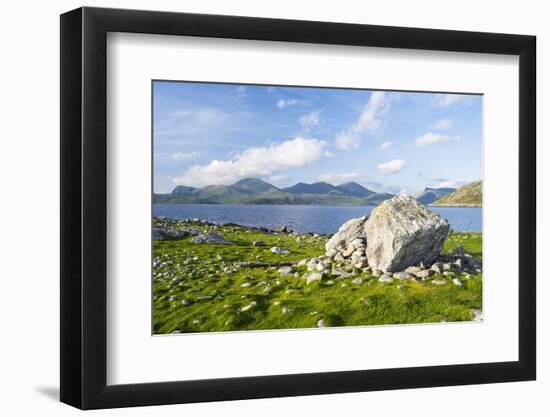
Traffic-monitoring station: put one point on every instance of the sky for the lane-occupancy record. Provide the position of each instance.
(387, 141)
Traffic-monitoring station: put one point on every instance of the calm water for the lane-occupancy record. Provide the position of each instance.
(303, 219)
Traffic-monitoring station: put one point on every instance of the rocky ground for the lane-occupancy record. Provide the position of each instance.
(209, 277)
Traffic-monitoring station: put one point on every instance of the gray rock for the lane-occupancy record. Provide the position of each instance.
(164, 233)
(211, 238)
(321, 323)
(312, 277)
(357, 281)
(385, 278)
(377, 273)
(279, 251)
(185, 302)
(347, 233)
(258, 243)
(424, 273)
(285, 270)
(457, 282)
(402, 275)
(438, 281)
(437, 268)
(401, 232)
(249, 306)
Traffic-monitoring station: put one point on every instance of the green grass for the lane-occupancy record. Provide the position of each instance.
(206, 277)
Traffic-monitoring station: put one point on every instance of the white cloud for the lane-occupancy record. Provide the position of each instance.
(329, 154)
(392, 167)
(368, 121)
(443, 124)
(339, 178)
(185, 156)
(347, 141)
(444, 100)
(310, 119)
(431, 139)
(290, 102)
(255, 162)
(385, 145)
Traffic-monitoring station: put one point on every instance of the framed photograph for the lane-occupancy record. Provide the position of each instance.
(258, 208)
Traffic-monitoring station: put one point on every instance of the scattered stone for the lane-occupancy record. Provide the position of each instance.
(439, 281)
(249, 306)
(385, 278)
(185, 302)
(264, 264)
(303, 262)
(402, 232)
(357, 281)
(402, 275)
(285, 270)
(329, 282)
(258, 243)
(286, 310)
(377, 273)
(399, 287)
(164, 233)
(321, 323)
(424, 273)
(457, 282)
(196, 322)
(279, 251)
(413, 269)
(211, 238)
(246, 284)
(312, 277)
(437, 268)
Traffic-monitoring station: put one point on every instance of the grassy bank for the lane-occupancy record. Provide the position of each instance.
(201, 288)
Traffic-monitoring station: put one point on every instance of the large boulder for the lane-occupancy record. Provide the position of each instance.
(402, 232)
(351, 231)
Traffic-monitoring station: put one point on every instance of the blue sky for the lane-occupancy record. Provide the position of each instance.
(387, 141)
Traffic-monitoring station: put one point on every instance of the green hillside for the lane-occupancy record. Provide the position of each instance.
(469, 195)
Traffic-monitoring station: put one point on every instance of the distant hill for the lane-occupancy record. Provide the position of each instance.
(257, 191)
(429, 195)
(469, 195)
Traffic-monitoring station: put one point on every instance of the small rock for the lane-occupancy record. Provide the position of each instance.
(279, 251)
(258, 243)
(196, 322)
(424, 273)
(402, 275)
(246, 284)
(185, 302)
(329, 282)
(457, 282)
(321, 323)
(399, 287)
(385, 278)
(285, 270)
(211, 238)
(357, 281)
(437, 268)
(286, 310)
(312, 277)
(438, 281)
(249, 306)
(377, 273)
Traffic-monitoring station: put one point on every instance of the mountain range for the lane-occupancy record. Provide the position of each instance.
(469, 195)
(257, 191)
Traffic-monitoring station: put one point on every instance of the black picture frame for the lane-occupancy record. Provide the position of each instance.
(84, 207)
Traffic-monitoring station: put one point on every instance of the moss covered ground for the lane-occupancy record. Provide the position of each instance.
(201, 288)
